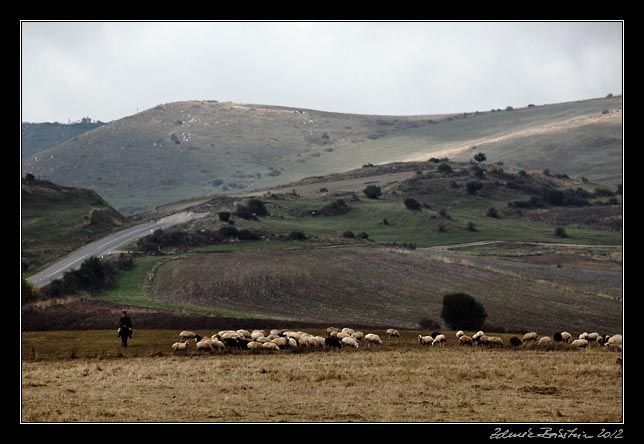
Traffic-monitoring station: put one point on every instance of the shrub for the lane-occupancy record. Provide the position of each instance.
(324, 190)
(257, 207)
(546, 172)
(523, 173)
(274, 173)
(348, 234)
(297, 235)
(385, 221)
(480, 157)
(246, 235)
(224, 216)
(477, 171)
(442, 213)
(434, 160)
(560, 232)
(372, 191)
(228, 231)
(30, 292)
(444, 168)
(471, 227)
(453, 184)
(217, 182)
(441, 229)
(473, 186)
(362, 235)
(491, 212)
(462, 312)
(245, 213)
(429, 324)
(412, 204)
(508, 108)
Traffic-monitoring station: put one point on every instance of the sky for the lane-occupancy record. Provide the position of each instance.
(109, 70)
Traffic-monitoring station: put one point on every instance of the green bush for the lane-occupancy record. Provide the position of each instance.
(297, 235)
(372, 191)
(473, 186)
(462, 312)
(412, 204)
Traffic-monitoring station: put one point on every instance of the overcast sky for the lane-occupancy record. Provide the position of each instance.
(110, 70)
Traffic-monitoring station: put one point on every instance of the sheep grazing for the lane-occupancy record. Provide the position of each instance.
(465, 340)
(371, 338)
(529, 337)
(332, 342)
(270, 346)
(614, 341)
(515, 341)
(483, 340)
(579, 343)
(180, 346)
(206, 345)
(435, 333)
(351, 342)
(566, 337)
(331, 330)
(494, 341)
(557, 337)
(476, 336)
(584, 335)
(187, 335)
(592, 337)
(459, 334)
(545, 340)
(348, 331)
(358, 335)
(393, 333)
(280, 342)
(440, 339)
(254, 345)
(425, 340)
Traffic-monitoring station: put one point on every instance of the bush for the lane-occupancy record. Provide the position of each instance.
(473, 186)
(217, 182)
(462, 312)
(228, 231)
(348, 235)
(434, 160)
(245, 213)
(30, 293)
(523, 173)
(246, 235)
(480, 157)
(385, 221)
(412, 204)
(441, 229)
(471, 227)
(324, 190)
(546, 172)
(429, 324)
(560, 232)
(477, 171)
(372, 191)
(224, 216)
(491, 212)
(362, 235)
(257, 207)
(444, 168)
(453, 184)
(297, 235)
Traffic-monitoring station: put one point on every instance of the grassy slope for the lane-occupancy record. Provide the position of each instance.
(133, 162)
(37, 137)
(53, 221)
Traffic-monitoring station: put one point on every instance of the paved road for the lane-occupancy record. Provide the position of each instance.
(105, 246)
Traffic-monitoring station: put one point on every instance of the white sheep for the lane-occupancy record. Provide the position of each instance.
(584, 335)
(592, 337)
(465, 340)
(614, 341)
(425, 340)
(477, 336)
(393, 333)
(253, 345)
(545, 340)
(494, 340)
(270, 346)
(459, 334)
(348, 331)
(257, 334)
(206, 345)
(350, 342)
(244, 333)
(358, 335)
(180, 346)
(566, 337)
(579, 343)
(529, 337)
(440, 339)
(371, 338)
(331, 330)
(187, 335)
(280, 342)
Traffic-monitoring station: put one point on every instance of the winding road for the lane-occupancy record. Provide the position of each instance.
(107, 245)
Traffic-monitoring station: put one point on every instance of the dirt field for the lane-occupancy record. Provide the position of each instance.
(86, 377)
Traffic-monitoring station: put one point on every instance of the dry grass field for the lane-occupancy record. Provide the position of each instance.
(84, 376)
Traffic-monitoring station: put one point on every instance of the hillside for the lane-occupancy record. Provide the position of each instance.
(56, 220)
(37, 137)
(187, 149)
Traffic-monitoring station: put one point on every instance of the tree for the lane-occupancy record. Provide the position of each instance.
(257, 207)
(30, 177)
(412, 204)
(492, 212)
(480, 157)
(473, 186)
(462, 312)
(444, 168)
(560, 232)
(224, 216)
(372, 191)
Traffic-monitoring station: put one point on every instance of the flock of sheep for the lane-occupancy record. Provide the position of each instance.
(347, 337)
(278, 339)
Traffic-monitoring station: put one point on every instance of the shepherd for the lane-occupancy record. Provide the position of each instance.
(125, 329)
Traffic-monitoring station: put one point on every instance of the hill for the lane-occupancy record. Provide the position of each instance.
(37, 137)
(187, 149)
(56, 220)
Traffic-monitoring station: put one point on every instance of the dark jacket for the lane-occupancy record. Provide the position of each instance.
(125, 321)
